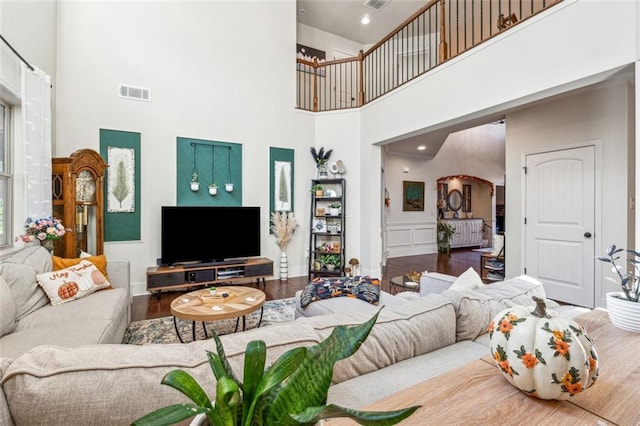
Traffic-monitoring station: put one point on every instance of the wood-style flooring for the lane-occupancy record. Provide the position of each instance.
(455, 263)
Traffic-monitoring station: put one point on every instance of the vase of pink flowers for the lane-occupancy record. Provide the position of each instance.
(46, 230)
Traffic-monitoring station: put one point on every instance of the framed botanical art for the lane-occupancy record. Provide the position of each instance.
(412, 196)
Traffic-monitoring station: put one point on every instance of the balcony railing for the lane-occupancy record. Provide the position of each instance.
(438, 32)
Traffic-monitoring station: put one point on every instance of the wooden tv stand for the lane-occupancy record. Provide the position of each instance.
(176, 277)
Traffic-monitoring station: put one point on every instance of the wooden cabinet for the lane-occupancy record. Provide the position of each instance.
(468, 232)
(327, 228)
(78, 201)
(176, 277)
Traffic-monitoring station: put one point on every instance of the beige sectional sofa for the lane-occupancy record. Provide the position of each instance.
(112, 384)
(28, 319)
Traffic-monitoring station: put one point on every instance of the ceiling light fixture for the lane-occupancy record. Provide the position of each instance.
(422, 148)
(365, 20)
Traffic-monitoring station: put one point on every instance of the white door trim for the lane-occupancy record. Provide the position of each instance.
(597, 144)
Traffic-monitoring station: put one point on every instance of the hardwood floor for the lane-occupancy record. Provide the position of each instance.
(455, 263)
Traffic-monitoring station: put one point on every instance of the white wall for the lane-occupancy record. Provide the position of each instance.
(600, 115)
(327, 42)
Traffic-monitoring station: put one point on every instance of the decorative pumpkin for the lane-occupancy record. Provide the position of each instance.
(542, 353)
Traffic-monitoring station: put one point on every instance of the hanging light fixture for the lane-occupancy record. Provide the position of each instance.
(228, 186)
(194, 185)
(213, 188)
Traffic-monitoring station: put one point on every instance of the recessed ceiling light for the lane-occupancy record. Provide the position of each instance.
(422, 148)
(365, 20)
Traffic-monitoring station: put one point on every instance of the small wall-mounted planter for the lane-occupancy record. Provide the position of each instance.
(213, 190)
(228, 187)
(195, 186)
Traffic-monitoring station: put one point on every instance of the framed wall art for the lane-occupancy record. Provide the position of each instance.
(412, 196)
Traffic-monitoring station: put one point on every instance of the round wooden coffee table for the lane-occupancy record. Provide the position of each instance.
(228, 302)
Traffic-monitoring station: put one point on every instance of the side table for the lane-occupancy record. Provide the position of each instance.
(402, 282)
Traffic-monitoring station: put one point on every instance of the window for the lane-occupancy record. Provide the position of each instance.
(5, 177)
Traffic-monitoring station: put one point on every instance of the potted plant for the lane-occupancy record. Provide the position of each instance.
(321, 157)
(317, 189)
(195, 185)
(213, 189)
(330, 261)
(624, 306)
(293, 390)
(212, 290)
(445, 232)
(334, 209)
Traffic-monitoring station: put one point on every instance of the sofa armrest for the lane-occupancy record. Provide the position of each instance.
(119, 274)
(435, 282)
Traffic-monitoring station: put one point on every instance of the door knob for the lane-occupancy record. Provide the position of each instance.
(587, 234)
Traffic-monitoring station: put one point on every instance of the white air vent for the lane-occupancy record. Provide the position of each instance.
(137, 93)
(376, 4)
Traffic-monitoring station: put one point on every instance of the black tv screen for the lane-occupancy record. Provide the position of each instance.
(193, 234)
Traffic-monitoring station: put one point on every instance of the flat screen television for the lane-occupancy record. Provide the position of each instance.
(207, 234)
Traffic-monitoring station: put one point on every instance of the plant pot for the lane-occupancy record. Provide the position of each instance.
(330, 267)
(334, 211)
(213, 191)
(195, 186)
(623, 313)
(319, 193)
(228, 187)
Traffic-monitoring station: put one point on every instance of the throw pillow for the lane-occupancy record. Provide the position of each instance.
(100, 261)
(359, 287)
(8, 309)
(468, 281)
(72, 283)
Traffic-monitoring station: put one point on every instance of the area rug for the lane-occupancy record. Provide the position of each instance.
(162, 330)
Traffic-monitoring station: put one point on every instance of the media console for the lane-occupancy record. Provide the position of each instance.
(175, 277)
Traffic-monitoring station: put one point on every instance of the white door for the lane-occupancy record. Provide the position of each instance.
(560, 221)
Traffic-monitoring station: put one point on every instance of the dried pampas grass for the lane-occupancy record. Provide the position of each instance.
(283, 225)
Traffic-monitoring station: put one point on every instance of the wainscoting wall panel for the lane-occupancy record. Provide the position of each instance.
(410, 238)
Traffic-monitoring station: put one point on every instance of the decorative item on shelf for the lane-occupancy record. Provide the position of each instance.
(317, 189)
(292, 390)
(543, 354)
(320, 211)
(45, 230)
(321, 157)
(333, 227)
(338, 168)
(624, 306)
(354, 265)
(445, 232)
(213, 188)
(195, 185)
(228, 186)
(212, 291)
(334, 209)
(283, 226)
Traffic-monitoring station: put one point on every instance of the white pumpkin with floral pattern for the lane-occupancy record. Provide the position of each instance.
(542, 353)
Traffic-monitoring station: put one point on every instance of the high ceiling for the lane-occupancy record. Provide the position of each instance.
(342, 17)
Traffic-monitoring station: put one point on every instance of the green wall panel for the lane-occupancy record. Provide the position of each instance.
(220, 161)
(122, 225)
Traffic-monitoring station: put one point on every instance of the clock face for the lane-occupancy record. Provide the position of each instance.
(85, 186)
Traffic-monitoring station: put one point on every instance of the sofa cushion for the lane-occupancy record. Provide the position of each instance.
(55, 378)
(402, 331)
(363, 288)
(7, 309)
(467, 281)
(74, 282)
(475, 309)
(21, 279)
(100, 261)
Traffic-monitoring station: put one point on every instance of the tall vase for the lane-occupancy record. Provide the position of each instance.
(284, 266)
(48, 244)
(323, 170)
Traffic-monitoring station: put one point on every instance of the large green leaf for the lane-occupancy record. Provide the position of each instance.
(228, 400)
(309, 384)
(254, 361)
(223, 358)
(182, 381)
(169, 415)
(379, 418)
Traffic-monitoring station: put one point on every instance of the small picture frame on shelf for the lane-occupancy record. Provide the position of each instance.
(319, 225)
(321, 211)
(330, 193)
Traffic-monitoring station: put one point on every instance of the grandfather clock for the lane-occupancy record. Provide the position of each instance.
(77, 188)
